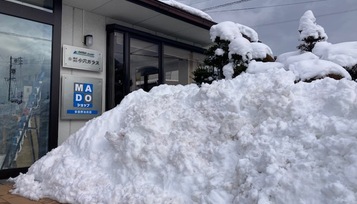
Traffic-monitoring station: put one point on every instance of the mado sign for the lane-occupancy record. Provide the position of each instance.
(81, 97)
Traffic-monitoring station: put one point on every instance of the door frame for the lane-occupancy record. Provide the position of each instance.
(54, 19)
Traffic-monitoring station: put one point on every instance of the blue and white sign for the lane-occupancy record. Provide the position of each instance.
(81, 97)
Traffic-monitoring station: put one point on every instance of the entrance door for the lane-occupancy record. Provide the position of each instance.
(144, 65)
(25, 68)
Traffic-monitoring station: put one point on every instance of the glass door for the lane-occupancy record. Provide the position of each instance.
(25, 67)
(144, 65)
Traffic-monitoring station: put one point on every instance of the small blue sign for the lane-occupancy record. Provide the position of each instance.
(89, 112)
(83, 95)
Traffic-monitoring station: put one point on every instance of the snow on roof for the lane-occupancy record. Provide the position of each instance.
(308, 27)
(344, 54)
(188, 9)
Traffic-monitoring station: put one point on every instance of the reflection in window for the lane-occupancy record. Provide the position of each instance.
(144, 62)
(46, 5)
(25, 63)
(119, 69)
(176, 65)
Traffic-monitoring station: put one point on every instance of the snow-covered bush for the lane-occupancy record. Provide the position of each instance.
(310, 32)
(235, 46)
(316, 58)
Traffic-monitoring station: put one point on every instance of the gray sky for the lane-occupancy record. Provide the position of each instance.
(277, 21)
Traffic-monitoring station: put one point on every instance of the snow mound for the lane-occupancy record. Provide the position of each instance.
(315, 68)
(344, 54)
(258, 138)
(307, 66)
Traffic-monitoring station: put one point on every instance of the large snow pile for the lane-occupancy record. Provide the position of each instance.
(258, 138)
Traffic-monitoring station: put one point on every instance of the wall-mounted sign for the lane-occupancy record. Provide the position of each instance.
(81, 58)
(81, 97)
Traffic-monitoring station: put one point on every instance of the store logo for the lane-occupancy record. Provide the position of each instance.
(83, 95)
(83, 53)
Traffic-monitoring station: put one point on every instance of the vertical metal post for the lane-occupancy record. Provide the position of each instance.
(10, 78)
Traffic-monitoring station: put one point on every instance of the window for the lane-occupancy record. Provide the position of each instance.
(144, 65)
(25, 61)
(139, 60)
(176, 65)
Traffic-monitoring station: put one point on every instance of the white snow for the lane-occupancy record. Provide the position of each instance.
(233, 32)
(228, 71)
(249, 32)
(344, 54)
(308, 27)
(306, 65)
(258, 138)
(260, 50)
(229, 30)
(261, 67)
(242, 47)
(188, 9)
(316, 68)
(226, 30)
(219, 52)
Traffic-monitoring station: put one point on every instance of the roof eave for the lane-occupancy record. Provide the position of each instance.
(175, 13)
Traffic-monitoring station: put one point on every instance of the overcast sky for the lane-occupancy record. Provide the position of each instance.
(277, 21)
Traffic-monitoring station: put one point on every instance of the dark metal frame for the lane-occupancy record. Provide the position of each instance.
(55, 20)
(140, 35)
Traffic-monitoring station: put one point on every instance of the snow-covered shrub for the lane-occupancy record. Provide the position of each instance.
(310, 32)
(235, 46)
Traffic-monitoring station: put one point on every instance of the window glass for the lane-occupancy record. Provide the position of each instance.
(144, 65)
(119, 69)
(197, 60)
(25, 64)
(46, 5)
(176, 65)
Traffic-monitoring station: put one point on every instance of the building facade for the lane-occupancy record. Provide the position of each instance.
(65, 62)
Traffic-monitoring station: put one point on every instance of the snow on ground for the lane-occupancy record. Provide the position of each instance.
(258, 138)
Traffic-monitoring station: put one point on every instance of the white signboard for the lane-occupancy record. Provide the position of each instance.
(81, 58)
